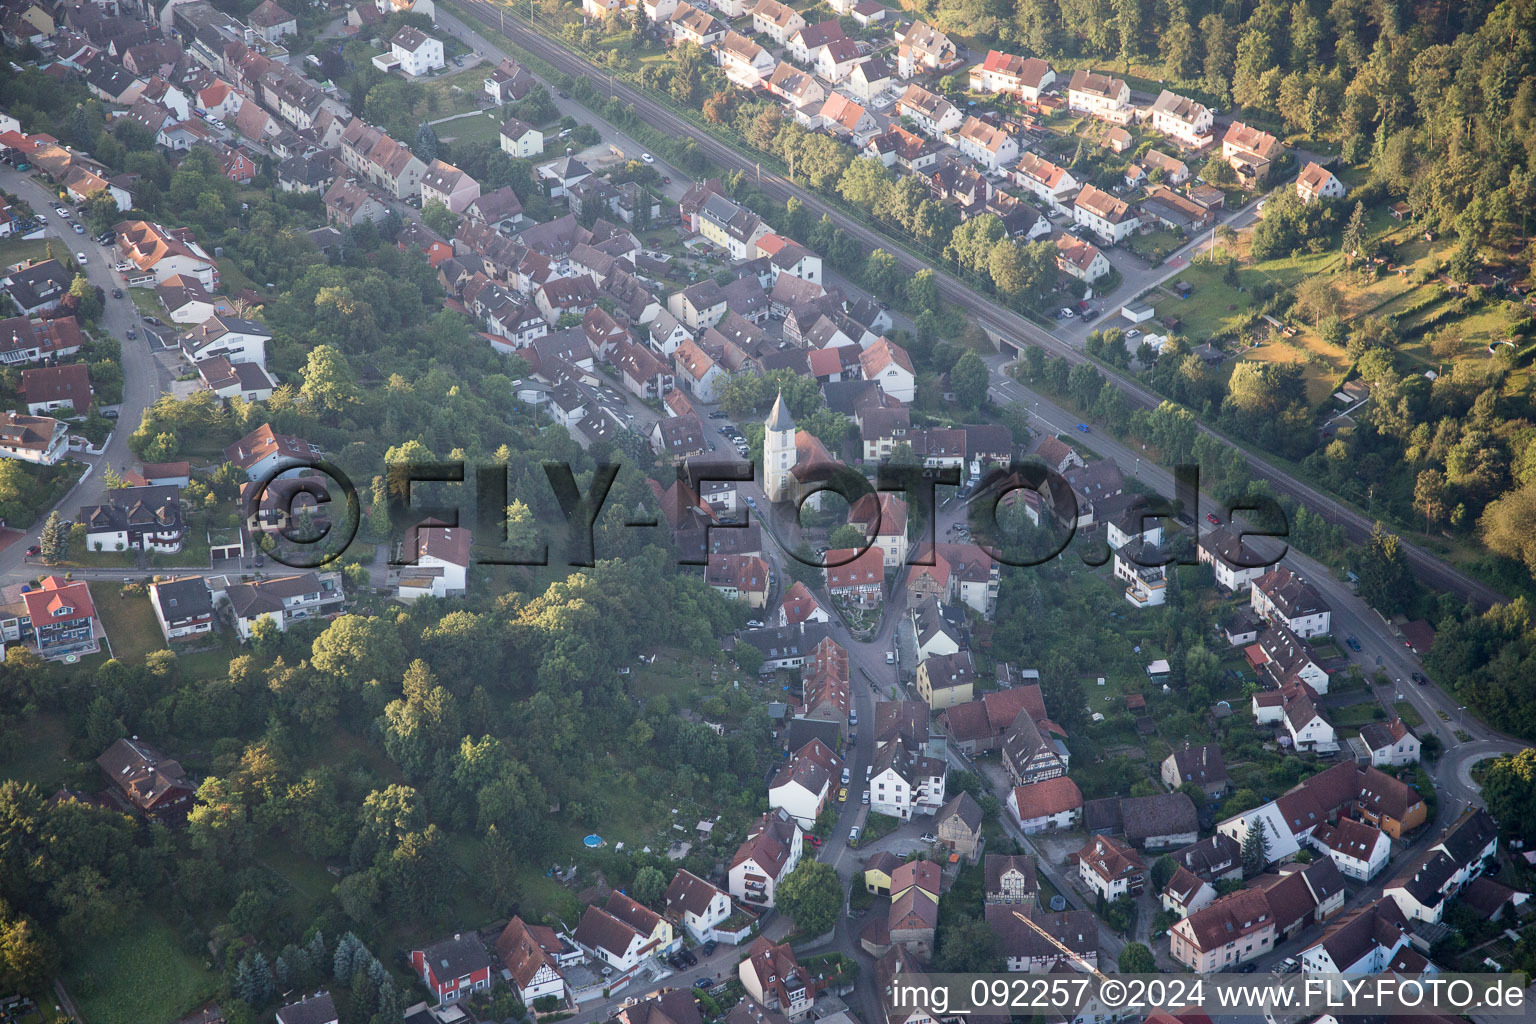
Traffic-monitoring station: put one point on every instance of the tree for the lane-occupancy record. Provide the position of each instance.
(1508, 525)
(1255, 848)
(969, 378)
(969, 947)
(812, 895)
(329, 384)
(1353, 240)
(1136, 958)
(439, 218)
(1163, 869)
(847, 536)
(55, 538)
(1510, 790)
(881, 272)
(1386, 580)
(426, 143)
(27, 955)
(650, 885)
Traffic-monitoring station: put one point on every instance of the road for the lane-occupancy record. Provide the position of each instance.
(1351, 615)
(143, 378)
(1009, 327)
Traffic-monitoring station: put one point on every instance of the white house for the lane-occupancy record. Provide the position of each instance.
(280, 600)
(1110, 218)
(986, 144)
(611, 941)
(934, 115)
(1106, 98)
(1080, 259)
(417, 52)
(1186, 893)
(1048, 181)
(888, 364)
(776, 21)
(802, 786)
(1041, 806)
(1182, 119)
(1235, 564)
(745, 63)
(40, 439)
(1358, 850)
(1318, 182)
(697, 905)
(771, 851)
(1110, 868)
(1024, 77)
(1391, 744)
(442, 564)
(1365, 942)
(905, 780)
(1436, 876)
(520, 140)
(1281, 842)
(1282, 595)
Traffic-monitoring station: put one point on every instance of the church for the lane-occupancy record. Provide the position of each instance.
(795, 462)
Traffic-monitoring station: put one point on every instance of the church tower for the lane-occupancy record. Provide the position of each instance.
(778, 451)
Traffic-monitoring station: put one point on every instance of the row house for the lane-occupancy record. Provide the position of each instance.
(1225, 934)
(947, 679)
(1009, 879)
(444, 183)
(1012, 75)
(1182, 119)
(1103, 97)
(806, 43)
(1367, 941)
(370, 153)
(1235, 564)
(644, 376)
(1358, 850)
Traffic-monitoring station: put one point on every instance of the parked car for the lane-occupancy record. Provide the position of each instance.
(79, 228)
(110, 414)
(813, 839)
(132, 334)
(866, 796)
(890, 657)
(1213, 518)
(1354, 644)
(1064, 313)
(1133, 334)
(708, 949)
(60, 211)
(842, 794)
(688, 957)
(35, 549)
(853, 718)
(80, 258)
(153, 320)
(647, 158)
(853, 837)
(928, 837)
(117, 293)
(699, 982)
(717, 415)
(846, 776)
(563, 94)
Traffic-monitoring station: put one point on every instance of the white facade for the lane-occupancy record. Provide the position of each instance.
(425, 57)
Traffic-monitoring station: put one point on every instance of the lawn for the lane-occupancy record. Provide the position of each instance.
(17, 250)
(1353, 716)
(481, 128)
(129, 620)
(1409, 714)
(144, 299)
(673, 675)
(110, 980)
(457, 93)
(42, 757)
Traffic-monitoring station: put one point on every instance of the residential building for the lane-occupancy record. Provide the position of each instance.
(946, 680)
(697, 905)
(1160, 821)
(1365, 942)
(509, 82)
(1318, 182)
(1438, 875)
(1055, 803)
(1202, 765)
(1283, 660)
(1111, 869)
(183, 607)
(158, 254)
(263, 453)
(613, 942)
(1031, 752)
(776, 21)
(281, 600)
(746, 64)
(1023, 77)
(144, 781)
(271, 22)
(770, 852)
(446, 184)
(986, 144)
(531, 954)
(958, 825)
(65, 389)
(229, 337)
(1225, 934)
(855, 577)
(922, 48)
(1070, 939)
(1390, 744)
(1110, 218)
(772, 976)
(453, 969)
(442, 563)
(1010, 879)
(904, 780)
(888, 365)
(1186, 892)
(1182, 119)
(144, 519)
(34, 288)
(934, 115)
(317, 1009)
(803, 787)
(1251, 152)
(1358, 850)
(1106, 98)
(418, 53)
(39, 439)
(1080, 259)
(1235, 564)
(805, 44)
(1281, 595)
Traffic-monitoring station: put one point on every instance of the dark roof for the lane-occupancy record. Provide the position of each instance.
(320, 1009)
(963, 806)
(996, 865)
(1103, 815)
(1202, 765)
(456, 957)
(184, 598)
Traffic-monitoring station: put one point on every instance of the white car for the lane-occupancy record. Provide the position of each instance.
(60, 211)
(928, 837)
(647, 158)
(80, 258)
(1065, 313)
(1133, 334)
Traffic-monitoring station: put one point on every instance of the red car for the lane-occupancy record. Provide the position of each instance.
(35, 549)
(814, 840)
(1210, 517)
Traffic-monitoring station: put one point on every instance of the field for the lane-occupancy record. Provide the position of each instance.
(144, 299)
(41, 757)
(129, 621)
(485, 127)
(139, 976)
(17, 250)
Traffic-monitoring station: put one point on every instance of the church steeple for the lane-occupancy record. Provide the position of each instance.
(778, 416)
(778, 450)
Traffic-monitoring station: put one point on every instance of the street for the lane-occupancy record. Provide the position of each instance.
(143, 378)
